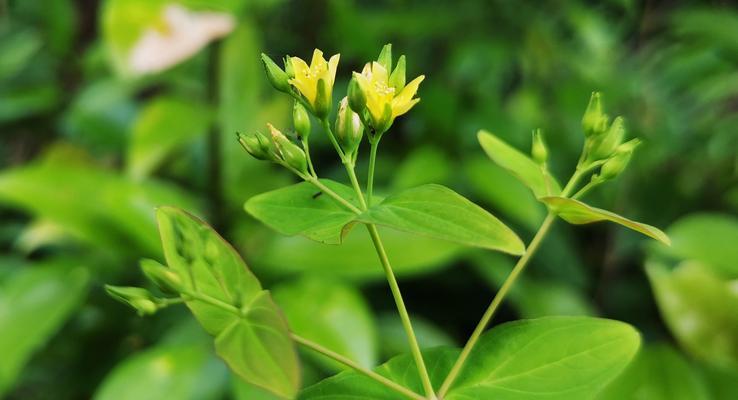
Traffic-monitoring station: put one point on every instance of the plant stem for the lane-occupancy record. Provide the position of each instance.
(323, 188)
(329, 132)
(306, 147)
(589, 186)
(355, 183)
(358, 368)
(370, 178)
(414, 347)
(500, 295)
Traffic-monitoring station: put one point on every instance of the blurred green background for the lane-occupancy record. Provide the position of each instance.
(109, 109)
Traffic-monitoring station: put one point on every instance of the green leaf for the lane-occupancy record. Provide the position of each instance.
(164, 124)
(331, 314)
(439, 212)
(302, 209)
(255, 343)
(518, 164)
(553, 358)
(35, 301)
(166, 372)
(700, 309)
(577, 213)
(658, 373)
(709, 238)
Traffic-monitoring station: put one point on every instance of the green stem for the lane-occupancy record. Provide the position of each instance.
(370, 178)
(505, 288)
(306, 147)
(589, 186)
(358, 368)
(329, 132)
(395, 288)
(355, 182)
(323, 188)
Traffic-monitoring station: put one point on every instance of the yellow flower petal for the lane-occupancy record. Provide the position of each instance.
(332, 68)
(379, 73)
(317, 59)
(404, 101)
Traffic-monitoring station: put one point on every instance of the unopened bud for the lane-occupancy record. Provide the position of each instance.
(289, 152)
(385, 57)
(605, 145)
(538, 149)
(594, 121)
(138, 298)
(619, 161)
(301, 121)
(252, 145)
(163, 277)
(349, 128)
(397, 78)
(323, 99)
(385, 121)
(276, 75)
(356, 96)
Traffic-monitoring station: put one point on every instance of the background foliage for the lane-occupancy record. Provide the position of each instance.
(89, 147)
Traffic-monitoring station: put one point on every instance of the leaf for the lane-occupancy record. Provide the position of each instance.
(658, 373)
(709, 238)
(439, 212)
(577, 213)
(518, 164)
(165, 123)
(166, 372)
(699, 309)
(255, 344)
(35, 301)
(302, 209)
(553, 358)
(333, 315)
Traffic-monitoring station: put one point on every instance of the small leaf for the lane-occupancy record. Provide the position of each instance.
(333, 315)
(439, 212)
(709, 238)
(302, 209)
(577, 213)
(518, 164)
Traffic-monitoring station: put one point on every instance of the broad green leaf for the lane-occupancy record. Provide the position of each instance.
(355, 258)
(164, 124)
(577, 213)
(709, 238)
(255, 344)
(658, 373)
(244, 391)
(553, 358)
(332, 314)
(393, 339)
(439, 212)
(302, 209)
(518, 164)
(35, 301)
(700, 309)
(166, 372)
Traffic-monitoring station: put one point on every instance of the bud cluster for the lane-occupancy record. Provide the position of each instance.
(277, 147)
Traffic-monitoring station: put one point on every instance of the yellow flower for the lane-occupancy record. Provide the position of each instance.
(374, 81)
(306, 77)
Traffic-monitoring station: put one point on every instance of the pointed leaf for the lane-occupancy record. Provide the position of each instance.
(518, 164)
(302, 209)
(577, 213)
(439, 212)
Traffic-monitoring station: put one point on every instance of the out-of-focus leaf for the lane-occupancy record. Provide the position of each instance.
(710, 238)
(518, 164)
(658, 373)
(393, 339)
(34, 303)
(577, 213)
(19, 102)
(333, 315)
(422, 166)
(164, 124)
(244, 391)
(439, 212)
(254, 341)
(302, 209)
(699, 308)
(721, 381)
(17, 48)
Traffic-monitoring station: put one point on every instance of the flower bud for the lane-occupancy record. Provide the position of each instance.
(322, 106)
(397, 78)
(538, 149)
(605, 145)
(252, 145)
(289, 152)
(138, 298)
(594, 121)
(164, 277)
(385, 57)
(276, 75)
(349, 128)
(617, 163)
(385, 121)
(356, 96)
(301, 121)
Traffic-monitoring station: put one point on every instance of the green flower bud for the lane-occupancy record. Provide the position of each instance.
(617, 163)
(538, 149)
(594, 122)
(289, 152)
(138, 298)
(356, 96)
(165, 278)
(323, 100)
(276, 75)
(349, 128)
(301, 121)
(252, 145)
(397, 78)
(385, 57)
(605, 145)
(385, 122)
